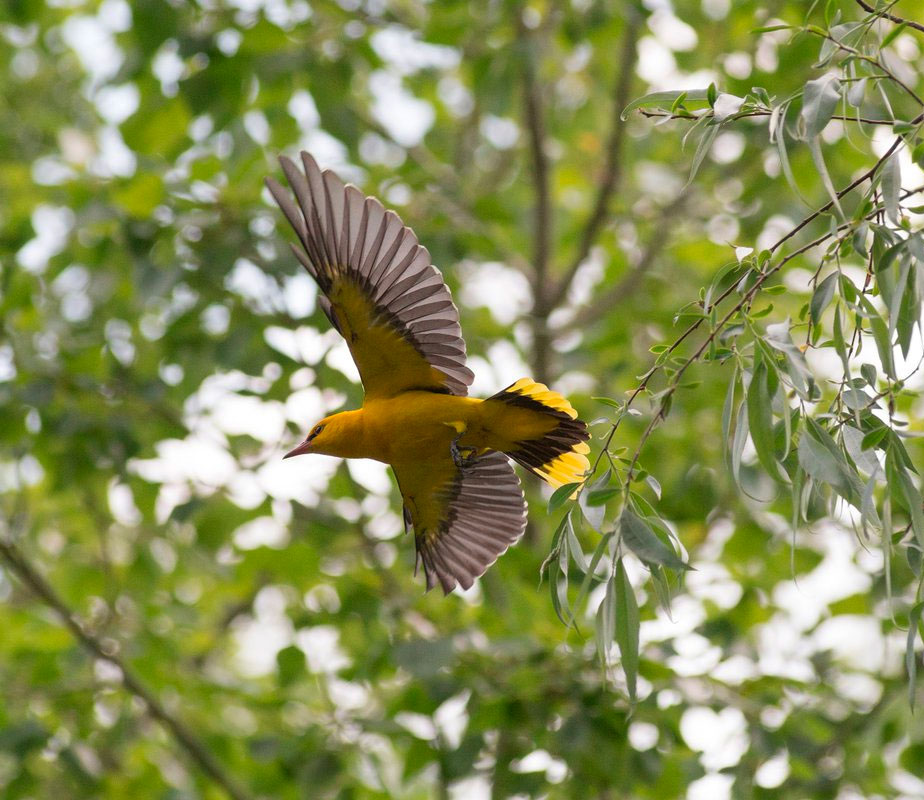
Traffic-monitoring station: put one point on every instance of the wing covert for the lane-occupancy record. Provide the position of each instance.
(463, 519)
(381, 291)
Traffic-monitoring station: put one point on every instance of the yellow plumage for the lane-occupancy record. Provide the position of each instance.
(448, 451)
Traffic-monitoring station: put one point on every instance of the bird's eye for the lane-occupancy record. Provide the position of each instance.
(316, 431)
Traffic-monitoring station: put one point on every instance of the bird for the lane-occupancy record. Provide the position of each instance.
(449, 452)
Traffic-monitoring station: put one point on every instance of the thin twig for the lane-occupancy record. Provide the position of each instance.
(869, 59)
(760, 113)
(613, 170)
(187, 740)
(894, 18)
(748, 297)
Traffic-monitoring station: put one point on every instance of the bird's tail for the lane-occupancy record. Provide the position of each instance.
(541, 431)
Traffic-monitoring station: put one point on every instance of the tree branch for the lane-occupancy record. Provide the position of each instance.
(632, 280)
(892, 17)
(187, 740)
(535, 126)
(534, 122)
(719, 326)
(613, 171)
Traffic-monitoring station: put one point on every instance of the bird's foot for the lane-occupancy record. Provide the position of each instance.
(461, 456)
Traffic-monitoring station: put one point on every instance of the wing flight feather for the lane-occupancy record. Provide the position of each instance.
(381, 291)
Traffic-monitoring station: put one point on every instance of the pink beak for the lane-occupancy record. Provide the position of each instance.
(304, 447)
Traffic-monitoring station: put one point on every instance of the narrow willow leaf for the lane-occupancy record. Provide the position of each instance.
(855, 93)
(911, 662)
(863, 457)
(705, 144)
(554, 571)
(858, 240)
(741, 438)
(609, 401)
(577, 552)
(560, 495)
(778, 137)
(897, 300)
(592, 570)
(727, 410)
(822, 296)
(909, 311)
(662, 588)
(840, 345)
(598, 497)
(645, 543)
(779, 338)
(819, 102)
(552, 557)
(912, 501)
(868, 514)
(893, 34)
(891, 187)
(606, 622)
(821, 458)
(883, 341)
(796, 498)
(627, 626)
(819, 160)
(662, 100)
(760, 422)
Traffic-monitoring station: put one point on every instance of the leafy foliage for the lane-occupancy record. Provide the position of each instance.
(739, 580)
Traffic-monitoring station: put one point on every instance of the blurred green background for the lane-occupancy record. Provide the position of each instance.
(160, 349)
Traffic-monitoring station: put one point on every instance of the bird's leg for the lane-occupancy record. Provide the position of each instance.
(461, 456)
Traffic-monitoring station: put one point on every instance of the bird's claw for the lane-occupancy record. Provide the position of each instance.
(461, 456)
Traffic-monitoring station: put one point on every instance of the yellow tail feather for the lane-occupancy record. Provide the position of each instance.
(559, 455)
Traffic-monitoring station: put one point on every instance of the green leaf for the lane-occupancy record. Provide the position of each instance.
(598, 497)
(819, 102)
(821, 458)
(822, 296)
(911, 662)
(740, 440)
(891, 181)
(819, 160)
(662, 100)
(591, 570)
(910, 496)
(760, 422)
(856, 92)
(893, 34)
(702, 149)
(881, 337)
(645, 543)
(606, 621)
(574, 546)
(561, 495)
(627, 626)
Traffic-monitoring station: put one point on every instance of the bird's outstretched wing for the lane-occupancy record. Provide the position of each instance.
(463, 517)
(380, 289)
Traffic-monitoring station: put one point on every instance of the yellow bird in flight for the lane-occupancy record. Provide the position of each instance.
(449, 452)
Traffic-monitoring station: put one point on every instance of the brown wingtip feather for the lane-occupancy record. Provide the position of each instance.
(350, 243)
(485, 515)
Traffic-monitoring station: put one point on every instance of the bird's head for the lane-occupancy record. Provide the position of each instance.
(336, 435)
(315, 441)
